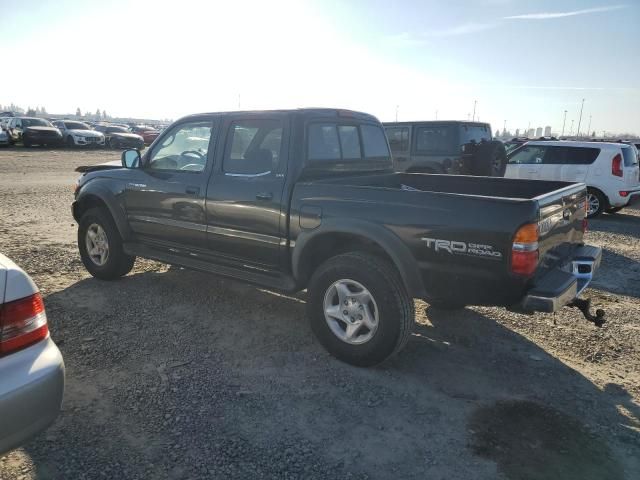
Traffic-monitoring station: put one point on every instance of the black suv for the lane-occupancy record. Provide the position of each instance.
(456, 148)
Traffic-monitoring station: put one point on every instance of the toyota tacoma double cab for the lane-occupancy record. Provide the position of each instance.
(308, 199)
(451, 147)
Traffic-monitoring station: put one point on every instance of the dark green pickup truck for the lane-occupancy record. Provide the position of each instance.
(308, 199)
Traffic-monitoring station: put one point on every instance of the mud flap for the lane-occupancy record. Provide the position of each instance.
(585, 306)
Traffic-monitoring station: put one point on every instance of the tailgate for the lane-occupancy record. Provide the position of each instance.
(561, 223)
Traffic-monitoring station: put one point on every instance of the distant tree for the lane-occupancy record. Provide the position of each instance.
(43, 110)
(104, 114)
(497, 133)
(98, 114)
(31, 112)
(78, 112)
(593, 135)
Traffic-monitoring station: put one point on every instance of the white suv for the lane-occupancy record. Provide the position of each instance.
(610, 170)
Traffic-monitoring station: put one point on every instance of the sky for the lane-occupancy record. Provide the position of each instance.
(520, 62)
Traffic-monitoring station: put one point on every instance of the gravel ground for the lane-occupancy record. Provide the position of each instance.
(176, 374)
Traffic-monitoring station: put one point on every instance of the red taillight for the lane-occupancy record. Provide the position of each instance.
(22, 323)
(616, 166)
(623, 193)
(524, 252)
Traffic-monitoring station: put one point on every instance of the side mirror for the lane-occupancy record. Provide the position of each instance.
(131, 158)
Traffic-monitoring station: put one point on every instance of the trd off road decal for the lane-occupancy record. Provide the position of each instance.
(462, 248)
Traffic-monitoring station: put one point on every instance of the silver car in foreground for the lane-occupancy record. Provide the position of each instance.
(31, 366)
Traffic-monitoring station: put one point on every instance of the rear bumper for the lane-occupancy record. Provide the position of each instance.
(562, 285)
(31, 388)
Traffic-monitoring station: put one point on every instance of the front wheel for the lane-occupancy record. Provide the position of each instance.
(70, 142)
(100, 246)
(359, 309)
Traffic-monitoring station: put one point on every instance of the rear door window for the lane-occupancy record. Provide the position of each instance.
(528, 155)
(323, 142)
(554, 155)
(398, 138)
(581, 155)
(253, 147)
(434, 139)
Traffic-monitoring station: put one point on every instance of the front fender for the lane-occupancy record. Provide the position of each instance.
(97, 193)
(385, 239)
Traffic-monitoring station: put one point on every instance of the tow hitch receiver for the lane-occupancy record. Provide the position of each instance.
(585, 306)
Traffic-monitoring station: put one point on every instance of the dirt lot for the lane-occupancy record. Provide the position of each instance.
(176, 374)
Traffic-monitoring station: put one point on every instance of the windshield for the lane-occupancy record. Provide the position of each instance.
(116, 130)
(35, 122)
(76, 126)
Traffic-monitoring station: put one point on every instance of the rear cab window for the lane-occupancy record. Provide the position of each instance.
(347, 146)
(398, 138)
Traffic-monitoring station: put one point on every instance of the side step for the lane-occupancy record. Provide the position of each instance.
(281, 282)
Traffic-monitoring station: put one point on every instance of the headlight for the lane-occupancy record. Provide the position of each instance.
(81, 139)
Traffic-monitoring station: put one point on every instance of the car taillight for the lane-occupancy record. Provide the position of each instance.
(524, 252)
(616, 165)
(22, 323)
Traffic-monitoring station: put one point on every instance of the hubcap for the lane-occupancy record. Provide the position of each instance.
(351, 312)
(594, 204)
(97, 244)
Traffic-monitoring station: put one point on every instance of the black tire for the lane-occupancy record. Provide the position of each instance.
(395, 308)
(489, 160)
(114, 144)
(70, 142)
(26, 143)
(596, 197)
(613, 210)
(117, 262)
(447, 305)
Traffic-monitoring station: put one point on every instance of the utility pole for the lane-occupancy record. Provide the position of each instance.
(238, 101)
(563, 123)
(571, 129)
(580, 119)
(436, 114)
(397, 106)
(475, 102)
(504, 128)
(589, 128)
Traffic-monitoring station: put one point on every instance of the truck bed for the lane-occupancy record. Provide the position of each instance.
(458, 184)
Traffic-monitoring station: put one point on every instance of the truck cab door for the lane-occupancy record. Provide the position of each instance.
(164, 199)
(246, 220)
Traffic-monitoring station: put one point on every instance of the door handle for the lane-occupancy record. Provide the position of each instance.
(264, 196)
(192, 190)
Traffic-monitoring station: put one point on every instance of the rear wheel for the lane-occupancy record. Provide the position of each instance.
(613, 210)
(114, 143)
(70, 142)
(596, 203)
(100, 246)
(358, 308)
(26, 143)
(490, 160)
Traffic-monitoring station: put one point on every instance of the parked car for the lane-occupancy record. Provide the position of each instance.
(458, 148)
(119, 137)
(33, 131)
(610, 170)
(4, 137)
(306, 199)
(31, 366)
(148, 134)
(79, 134)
